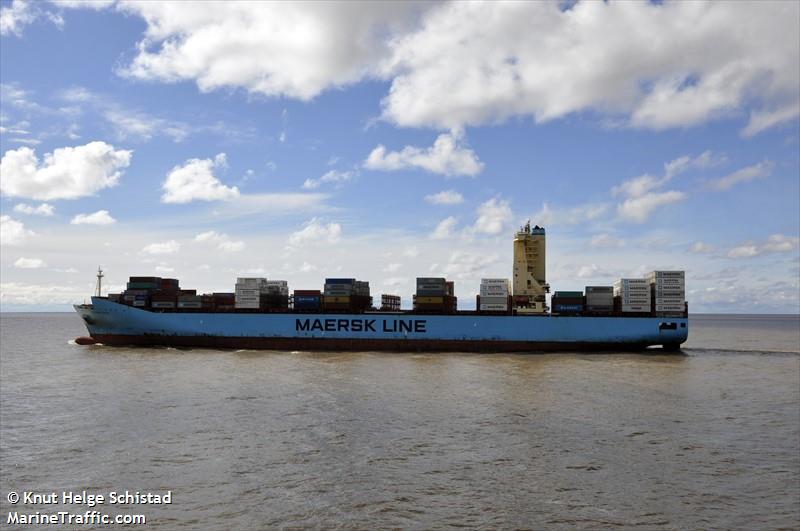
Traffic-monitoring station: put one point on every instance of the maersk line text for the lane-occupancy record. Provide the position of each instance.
(418, 326)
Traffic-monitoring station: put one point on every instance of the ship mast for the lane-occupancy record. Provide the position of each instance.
(99, 281)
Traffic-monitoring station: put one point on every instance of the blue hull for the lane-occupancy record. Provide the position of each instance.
(112, 323)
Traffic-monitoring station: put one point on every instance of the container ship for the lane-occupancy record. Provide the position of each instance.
(511, 315)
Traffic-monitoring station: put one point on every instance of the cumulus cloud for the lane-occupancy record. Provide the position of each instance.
(101, 217)
(271, 48)
(336, 177)
(776, 243)
(444, 229)
(445, 197)
(221, 240)
(657, 65)
(466, 265)
(12, 232)
(493, 216)
(448, 156)
(168, 247)
(29, 263)
(316, 231)
(14, 17)
(756, 171)
(195, 180)
(66, 173)
(41, 210)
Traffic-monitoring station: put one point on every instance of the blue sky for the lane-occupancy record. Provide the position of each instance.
(390, 141)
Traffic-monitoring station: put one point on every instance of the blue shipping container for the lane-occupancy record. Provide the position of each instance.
(568, 308)
(340, 281)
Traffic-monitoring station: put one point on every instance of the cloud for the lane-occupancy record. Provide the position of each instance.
(642, 194)
(493, 216)
(222, 241)
(640, 208)
(606, 241)
(12, 232)
(445, 197)
(765, 119)
(22, 13)
(195, 180)
(656, 66)
(131, 124)
(700, 247)
(66, 173)
(444, 229)
(548, 216)
(101, 217)
(466, 265)
(315, 231)
(447, 156)
(225, 44)
(42, 210)
(776, 243)
(169, 247)
(756, 171)
(333, 176)
(29, 263)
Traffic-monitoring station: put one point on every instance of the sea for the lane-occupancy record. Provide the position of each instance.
(708, 438)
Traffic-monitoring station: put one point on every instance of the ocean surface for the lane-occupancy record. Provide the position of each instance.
(706, 439)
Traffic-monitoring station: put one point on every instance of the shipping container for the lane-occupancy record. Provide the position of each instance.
(599, 289)
(307, 293)
(190, 305)
(596, 308)
(349, 281)
(140, 303)
(336, 299)
(142, 285)
(567, 308)
(162, 304)
(429, 300)
(485, 307)
(578, 294)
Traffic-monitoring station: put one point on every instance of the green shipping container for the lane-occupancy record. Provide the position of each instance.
(142, 285)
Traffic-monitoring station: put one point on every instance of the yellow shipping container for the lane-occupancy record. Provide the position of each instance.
(429, 300)
(330, 299)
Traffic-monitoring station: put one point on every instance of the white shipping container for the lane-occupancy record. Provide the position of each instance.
(494, 293)
(490, 281)
(139, 303)
(635, 308)
(666, 274)
(669, 308)
(250, 281)
(494, 307)
(186, 304)
(494, 300)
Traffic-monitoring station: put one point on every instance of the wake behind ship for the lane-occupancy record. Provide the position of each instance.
(513, 316)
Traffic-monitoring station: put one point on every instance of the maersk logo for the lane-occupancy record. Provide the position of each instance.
(418, 326)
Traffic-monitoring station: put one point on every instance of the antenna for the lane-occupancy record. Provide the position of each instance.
(99, 281)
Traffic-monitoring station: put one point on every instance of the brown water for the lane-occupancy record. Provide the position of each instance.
(248, 440)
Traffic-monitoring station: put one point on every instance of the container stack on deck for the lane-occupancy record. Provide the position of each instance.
(435, 295)
(390, 303)
(495, 295)
(309, 300)
(632, 295)
(599, 299)
(667, 292)
(346, 295)
(567, 302)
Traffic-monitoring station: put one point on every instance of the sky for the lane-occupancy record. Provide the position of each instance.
(391, 140)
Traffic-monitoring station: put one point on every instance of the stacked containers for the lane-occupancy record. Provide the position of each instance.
(632, 295)
(188, 299)
(274, 295)
(600, 299)
(434, 295)
(567, 302)
(224, 301)
(163, 300)
(390, 303)
(307, 300)
(667, 291)
(494, 295)
(337, 293)
(248, 292)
